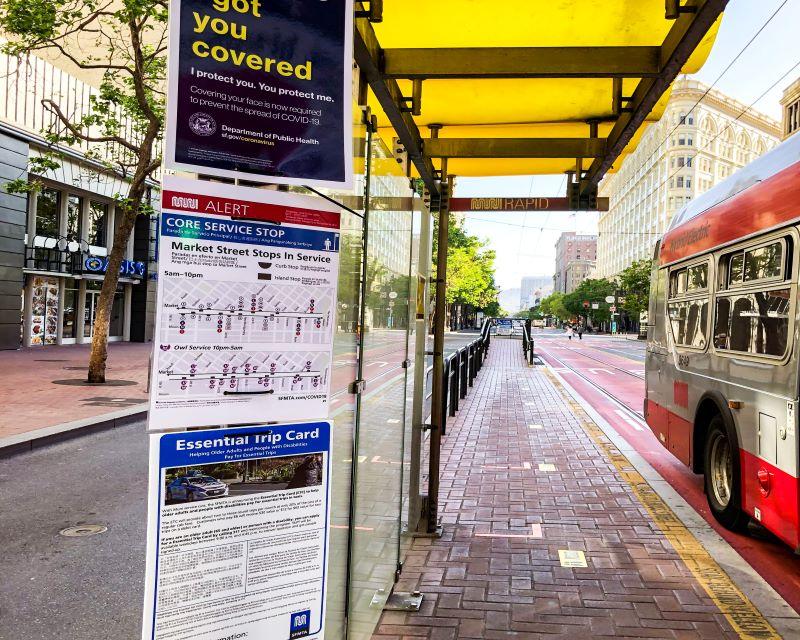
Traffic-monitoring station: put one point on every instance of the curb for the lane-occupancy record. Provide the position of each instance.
(30, 440)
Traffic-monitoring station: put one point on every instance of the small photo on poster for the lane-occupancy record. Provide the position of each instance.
(232, 479)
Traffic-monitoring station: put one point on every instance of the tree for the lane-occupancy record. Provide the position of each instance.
(594, 292)
(470, 269)
(124, 42)
(635, 284)
(553, 306)
(493, 310)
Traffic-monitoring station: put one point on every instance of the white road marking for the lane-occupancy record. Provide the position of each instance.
(630, 421)
(546, 466)
(595, 371)
(535, 426)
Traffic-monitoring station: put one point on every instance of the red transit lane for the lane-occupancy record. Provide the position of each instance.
(609, 376)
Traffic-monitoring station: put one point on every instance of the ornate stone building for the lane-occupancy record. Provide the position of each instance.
(790, 101)
(688, 151)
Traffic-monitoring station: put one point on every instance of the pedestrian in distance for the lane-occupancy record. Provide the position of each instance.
(569, 332)
(580, 332)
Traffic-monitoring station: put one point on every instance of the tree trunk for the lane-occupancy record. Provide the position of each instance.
(105, 302)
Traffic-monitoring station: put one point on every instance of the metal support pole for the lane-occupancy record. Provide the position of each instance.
(438, 416)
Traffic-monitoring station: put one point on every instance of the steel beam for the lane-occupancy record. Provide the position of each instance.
(683, 38)
(438, 415)
(514, 147)
(367, 54)
(522, 62)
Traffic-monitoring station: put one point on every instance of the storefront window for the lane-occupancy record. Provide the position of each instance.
(74, 206)
(117, 309)
(47, 205)
(98, 224)
(69, 324)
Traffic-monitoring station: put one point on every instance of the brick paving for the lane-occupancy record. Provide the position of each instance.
(31, 400)
(489, 577)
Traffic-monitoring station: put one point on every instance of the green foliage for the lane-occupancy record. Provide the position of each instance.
(595, 292)
(470, 268)
(493, 310)
(553, 306)
(635, 284)
(29, 18)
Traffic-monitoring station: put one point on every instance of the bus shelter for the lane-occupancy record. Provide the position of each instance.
(446, 89)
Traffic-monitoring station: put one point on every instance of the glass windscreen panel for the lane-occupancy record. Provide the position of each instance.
(378, 491)
(345, 371)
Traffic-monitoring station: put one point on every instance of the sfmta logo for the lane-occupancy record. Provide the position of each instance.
(300, 624)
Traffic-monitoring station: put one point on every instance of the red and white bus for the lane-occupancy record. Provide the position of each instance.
(723, 357)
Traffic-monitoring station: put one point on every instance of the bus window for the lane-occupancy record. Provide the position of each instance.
(756, 322)
(752, 265)
(689, 319)
(697, 277)
(721, 327)
(688, 306)
(735, 269)
(764, 262)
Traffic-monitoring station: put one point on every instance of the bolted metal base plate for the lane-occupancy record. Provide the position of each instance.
(426, 534)
(400, 601)
(404, 601)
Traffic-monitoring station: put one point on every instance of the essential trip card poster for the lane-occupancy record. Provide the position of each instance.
(238, 529)
(246, 306)
(261, 89)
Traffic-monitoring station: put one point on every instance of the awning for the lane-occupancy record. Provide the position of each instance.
(525, 86)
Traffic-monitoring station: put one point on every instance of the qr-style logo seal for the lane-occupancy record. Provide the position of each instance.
(202, 124)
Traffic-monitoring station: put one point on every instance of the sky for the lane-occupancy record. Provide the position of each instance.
(525, 242)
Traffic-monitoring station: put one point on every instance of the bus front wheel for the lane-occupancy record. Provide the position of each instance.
(722, 481)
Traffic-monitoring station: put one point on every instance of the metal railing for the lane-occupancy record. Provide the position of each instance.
(527, 343)
(460, 369)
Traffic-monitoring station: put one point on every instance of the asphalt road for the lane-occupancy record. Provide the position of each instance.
(74, 588)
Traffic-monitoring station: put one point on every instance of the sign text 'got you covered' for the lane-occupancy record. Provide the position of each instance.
(261, 89)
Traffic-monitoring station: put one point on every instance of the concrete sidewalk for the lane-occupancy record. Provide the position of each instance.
(45, 391)
(531, 488)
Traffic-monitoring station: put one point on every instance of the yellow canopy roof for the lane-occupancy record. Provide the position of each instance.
(482, 78)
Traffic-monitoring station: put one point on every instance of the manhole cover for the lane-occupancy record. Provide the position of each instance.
(81, 382)
(83, 530)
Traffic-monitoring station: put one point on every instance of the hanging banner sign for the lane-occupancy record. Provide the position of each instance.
(261, 90)
(237, 536)
(517, 204)
(246, 306)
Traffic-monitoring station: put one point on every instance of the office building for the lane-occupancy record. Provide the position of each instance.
(702, 138)
(575, 257)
